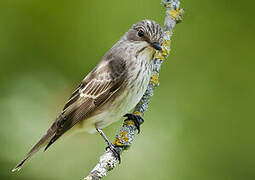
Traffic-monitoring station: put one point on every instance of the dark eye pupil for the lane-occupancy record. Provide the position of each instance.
(140, 33)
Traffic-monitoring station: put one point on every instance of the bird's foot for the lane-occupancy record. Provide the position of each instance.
(138, 120)
(116, 150)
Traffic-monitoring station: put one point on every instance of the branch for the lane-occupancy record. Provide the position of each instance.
(126, 135)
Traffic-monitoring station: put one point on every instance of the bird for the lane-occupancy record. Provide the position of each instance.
(111, 89)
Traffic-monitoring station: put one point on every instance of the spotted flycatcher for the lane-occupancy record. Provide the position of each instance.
(111, 89)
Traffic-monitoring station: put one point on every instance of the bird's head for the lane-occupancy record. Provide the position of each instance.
(146, 31)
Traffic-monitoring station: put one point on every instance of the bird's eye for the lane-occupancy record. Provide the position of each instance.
(140, 33)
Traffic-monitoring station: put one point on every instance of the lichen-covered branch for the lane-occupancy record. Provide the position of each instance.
(127, 133)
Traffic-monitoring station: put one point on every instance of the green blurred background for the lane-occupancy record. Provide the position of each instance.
(200, 123)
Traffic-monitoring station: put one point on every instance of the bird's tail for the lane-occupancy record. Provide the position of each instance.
(42, 142)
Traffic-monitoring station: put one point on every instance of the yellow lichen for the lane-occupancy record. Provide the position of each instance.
(123, 133)
(117, 142)
(168, 5)
(160, 56)
(139, 104)
(129, 123)
(123, 136)
(137, 113)
(155, 79)
(124, 139)
(166, 43)
(168, 33)
(173, 13)
(176, 14)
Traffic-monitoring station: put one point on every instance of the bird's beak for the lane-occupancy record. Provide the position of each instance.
(156, 46)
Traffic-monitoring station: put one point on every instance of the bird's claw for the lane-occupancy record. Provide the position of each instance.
(138, 120)
(115, 150)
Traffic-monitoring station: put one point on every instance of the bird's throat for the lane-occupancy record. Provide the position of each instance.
(147, 52)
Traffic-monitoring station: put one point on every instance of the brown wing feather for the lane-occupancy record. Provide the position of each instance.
(95, 90)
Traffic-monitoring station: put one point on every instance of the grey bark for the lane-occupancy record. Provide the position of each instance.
(127, 133)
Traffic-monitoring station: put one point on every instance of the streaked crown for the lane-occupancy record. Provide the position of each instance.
(146, 30)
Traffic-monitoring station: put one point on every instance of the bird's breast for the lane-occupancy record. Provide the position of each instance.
(139, 76)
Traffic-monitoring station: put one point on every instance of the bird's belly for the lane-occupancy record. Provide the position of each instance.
(113, 110)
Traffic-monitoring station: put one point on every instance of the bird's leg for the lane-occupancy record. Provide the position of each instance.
(114, 148)
(138, 120)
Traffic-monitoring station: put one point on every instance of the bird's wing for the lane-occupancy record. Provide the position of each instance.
(96, 89)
